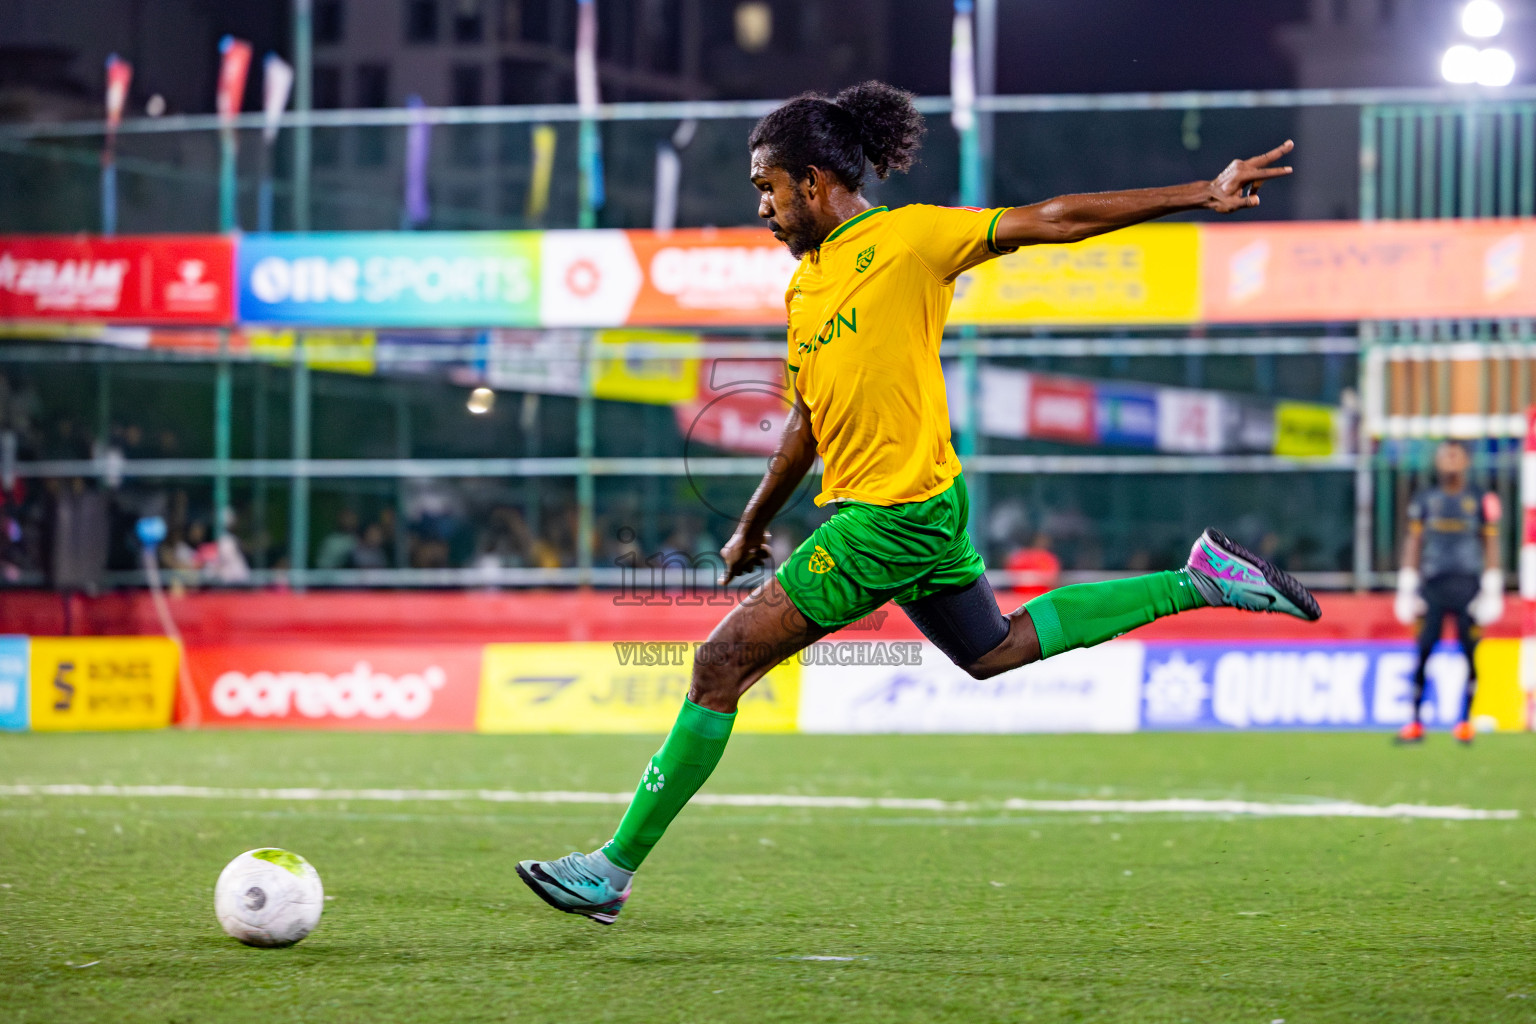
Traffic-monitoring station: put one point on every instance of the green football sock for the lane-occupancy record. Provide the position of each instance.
(674, 774)
(1090, 613)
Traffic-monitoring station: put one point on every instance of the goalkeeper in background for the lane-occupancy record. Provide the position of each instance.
(1450, 567)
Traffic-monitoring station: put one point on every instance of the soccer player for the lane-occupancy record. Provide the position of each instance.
(1450, 568)
(866, 315)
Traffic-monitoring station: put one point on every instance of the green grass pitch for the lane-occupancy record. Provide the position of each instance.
(981, 915)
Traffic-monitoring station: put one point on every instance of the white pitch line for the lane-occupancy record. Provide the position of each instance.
(1249, 808)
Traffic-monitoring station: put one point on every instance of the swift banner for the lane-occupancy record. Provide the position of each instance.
(169, 279)
(1385, 270)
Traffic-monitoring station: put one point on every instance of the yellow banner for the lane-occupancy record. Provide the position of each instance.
(1499, 700)
(649, 379)
(1303, 429)
(86, 683)
(613, 687)
(337, 350)
(1142, 275)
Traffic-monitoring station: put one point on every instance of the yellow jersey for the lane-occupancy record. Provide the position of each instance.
(866, 315)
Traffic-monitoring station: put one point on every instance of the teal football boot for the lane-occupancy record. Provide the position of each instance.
(578, 883)
(1228, 575)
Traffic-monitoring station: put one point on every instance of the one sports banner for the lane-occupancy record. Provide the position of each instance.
(393, 279)
(170, 279)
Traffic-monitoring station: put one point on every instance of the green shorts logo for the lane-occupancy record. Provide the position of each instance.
(653, 780)
(821, 561)
(864, 259)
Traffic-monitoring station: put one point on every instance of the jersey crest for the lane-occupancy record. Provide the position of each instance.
(821, 561)
(864, 259)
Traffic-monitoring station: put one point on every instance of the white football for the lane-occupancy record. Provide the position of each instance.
(268, 898)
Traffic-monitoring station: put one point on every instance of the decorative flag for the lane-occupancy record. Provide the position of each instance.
(418, 148)
(276, 85)
(119, 75)
(962, 68)
(586, 57)
(233, 67)
(544, 139)
(588, 140)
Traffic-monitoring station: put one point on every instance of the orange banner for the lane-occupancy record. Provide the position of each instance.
(710, 277)
(1327, 270)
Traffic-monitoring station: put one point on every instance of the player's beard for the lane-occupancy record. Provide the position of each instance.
(797, 226)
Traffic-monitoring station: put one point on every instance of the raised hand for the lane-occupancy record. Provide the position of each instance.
(1237, 187)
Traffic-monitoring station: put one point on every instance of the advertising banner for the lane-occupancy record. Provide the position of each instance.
(1061, 409)
(416, 687)
(88, 683)
(1304, 686)
(1126, 417)
(13, 683)
(588, 279)
(653, 380)
(1093, 690)
(711, 277)
(1318, 271)
(613, 687)
(742, 406)
(171, 279)
(1142, 275)
(391, 279)
(1304, 429)
(1189, 421)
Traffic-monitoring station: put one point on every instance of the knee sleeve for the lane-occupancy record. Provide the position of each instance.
(963, 623)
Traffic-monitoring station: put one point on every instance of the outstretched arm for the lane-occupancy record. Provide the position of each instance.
(1073, 218)
(748, 546)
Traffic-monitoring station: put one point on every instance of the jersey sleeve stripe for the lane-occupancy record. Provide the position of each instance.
(992, 234)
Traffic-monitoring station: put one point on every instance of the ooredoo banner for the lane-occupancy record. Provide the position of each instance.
(422, 687)
(169, 279)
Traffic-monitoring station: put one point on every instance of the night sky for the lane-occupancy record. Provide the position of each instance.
(1048, 46)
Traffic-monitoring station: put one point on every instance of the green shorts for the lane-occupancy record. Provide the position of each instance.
(866, 555)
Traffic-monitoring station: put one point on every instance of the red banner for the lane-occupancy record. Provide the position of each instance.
(742, 407)
(1061, 409)
(185, 279)
(417, 687)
